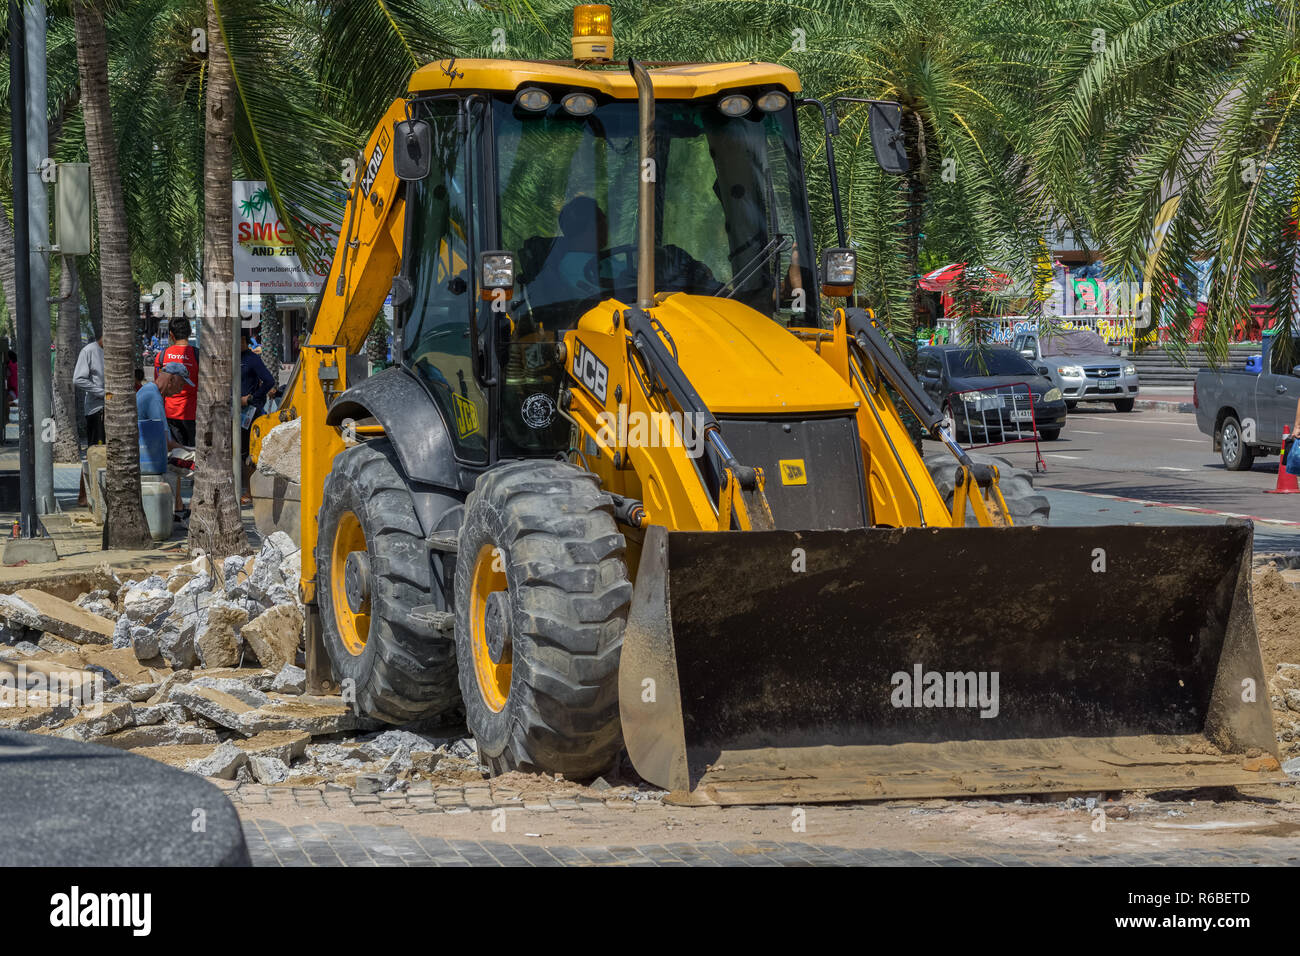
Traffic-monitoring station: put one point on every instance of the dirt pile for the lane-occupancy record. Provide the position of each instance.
(1277, 621)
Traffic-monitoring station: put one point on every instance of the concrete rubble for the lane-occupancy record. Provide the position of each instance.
(203, 668)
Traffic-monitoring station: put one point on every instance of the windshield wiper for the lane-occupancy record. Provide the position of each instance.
(776, 246)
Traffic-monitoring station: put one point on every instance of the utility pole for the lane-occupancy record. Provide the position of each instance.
(22, 273)
(31, 545)
(38, 231)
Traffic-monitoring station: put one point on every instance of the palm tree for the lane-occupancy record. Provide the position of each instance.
(124, 526)
(1193, 98)
(215, 525)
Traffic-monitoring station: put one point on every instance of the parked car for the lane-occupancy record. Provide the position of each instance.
(1243, 411)
(973, 387)
(1082, 366)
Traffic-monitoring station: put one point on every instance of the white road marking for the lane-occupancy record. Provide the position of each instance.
(1057, 454)
(1080, 431)
(1171, 468)
(1195, 441)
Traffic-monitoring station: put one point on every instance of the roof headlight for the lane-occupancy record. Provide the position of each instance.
(735, 104)
(533, 98)
(578, 104)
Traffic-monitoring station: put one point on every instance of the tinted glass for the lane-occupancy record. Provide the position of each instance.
(966, 363)
(1078, 342)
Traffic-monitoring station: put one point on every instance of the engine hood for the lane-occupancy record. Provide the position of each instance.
(743, 363)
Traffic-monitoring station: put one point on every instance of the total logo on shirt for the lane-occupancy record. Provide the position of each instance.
(185, 403)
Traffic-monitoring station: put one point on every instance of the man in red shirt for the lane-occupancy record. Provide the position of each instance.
(182, 408)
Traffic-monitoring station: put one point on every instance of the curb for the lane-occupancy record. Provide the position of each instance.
(1153, 405)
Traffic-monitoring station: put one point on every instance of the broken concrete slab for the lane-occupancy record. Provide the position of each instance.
(147, 605)
(285, 745)
(44, 612)
(217, 639)
(268, 771)
(291, 680)
(169, 683)
(275, 635)
(146, 714)
(56, 645)
(160, 735)
(34, 719)
(224, 762)
(216, 705)
(96, 722)
(281, 448)
(30, 551)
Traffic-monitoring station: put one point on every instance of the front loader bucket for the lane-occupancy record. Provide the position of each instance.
(795, 667)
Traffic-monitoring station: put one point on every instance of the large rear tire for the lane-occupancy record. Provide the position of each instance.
(542, 596)
(1025, 505)
(372, 568)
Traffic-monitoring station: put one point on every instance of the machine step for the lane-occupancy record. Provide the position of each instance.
(447, 541)
(430, 617)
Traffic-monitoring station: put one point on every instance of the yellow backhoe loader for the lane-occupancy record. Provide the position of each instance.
(637, 480)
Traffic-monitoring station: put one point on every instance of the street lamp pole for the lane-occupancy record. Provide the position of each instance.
(22, 272)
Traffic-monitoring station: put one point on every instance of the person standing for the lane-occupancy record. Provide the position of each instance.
(183, 406)
(88, 375)
(255, 382)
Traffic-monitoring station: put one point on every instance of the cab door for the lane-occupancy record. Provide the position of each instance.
(435, 324)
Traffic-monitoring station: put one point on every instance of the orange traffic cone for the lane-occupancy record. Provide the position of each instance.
(1286, 482)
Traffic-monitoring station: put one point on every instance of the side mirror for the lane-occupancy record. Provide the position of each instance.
(1296, 371)
(1028, 353)
(887, 138)
(412, 149)
(839, 272)
(496, 275)
(1115, 352)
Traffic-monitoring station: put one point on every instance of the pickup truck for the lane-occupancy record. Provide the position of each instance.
(1244, 411)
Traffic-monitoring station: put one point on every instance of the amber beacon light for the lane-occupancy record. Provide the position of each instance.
(593, 32)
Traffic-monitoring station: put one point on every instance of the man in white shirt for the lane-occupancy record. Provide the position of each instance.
(89, 376)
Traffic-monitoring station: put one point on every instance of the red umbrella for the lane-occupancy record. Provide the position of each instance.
(975, 278)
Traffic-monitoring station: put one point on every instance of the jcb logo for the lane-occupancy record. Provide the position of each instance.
(376, 160)
(466, 416)
(590, 371)
(793, 471)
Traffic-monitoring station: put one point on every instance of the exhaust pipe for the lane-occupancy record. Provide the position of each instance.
(645, 262)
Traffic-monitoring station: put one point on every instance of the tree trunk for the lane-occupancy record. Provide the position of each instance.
(914, 140)
(124, 525)
(67, 447)
(216, 526)
(94, 303)
(7, 271)
(271, 335)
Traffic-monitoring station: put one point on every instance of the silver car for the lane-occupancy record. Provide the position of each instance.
(1082, 366)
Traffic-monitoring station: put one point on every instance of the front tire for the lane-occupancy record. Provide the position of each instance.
(542, 596)
(1124, 405)
(1236, 454)
(1049, 434)
(372, 568)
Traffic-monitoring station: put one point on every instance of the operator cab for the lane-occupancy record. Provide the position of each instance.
(549, 173)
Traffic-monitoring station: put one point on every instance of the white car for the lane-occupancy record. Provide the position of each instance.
(1082, 366)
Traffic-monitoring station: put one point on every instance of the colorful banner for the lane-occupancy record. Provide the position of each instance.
(264, 252)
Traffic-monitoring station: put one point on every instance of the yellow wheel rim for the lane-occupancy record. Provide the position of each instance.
(353, 626)
(493, 676)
